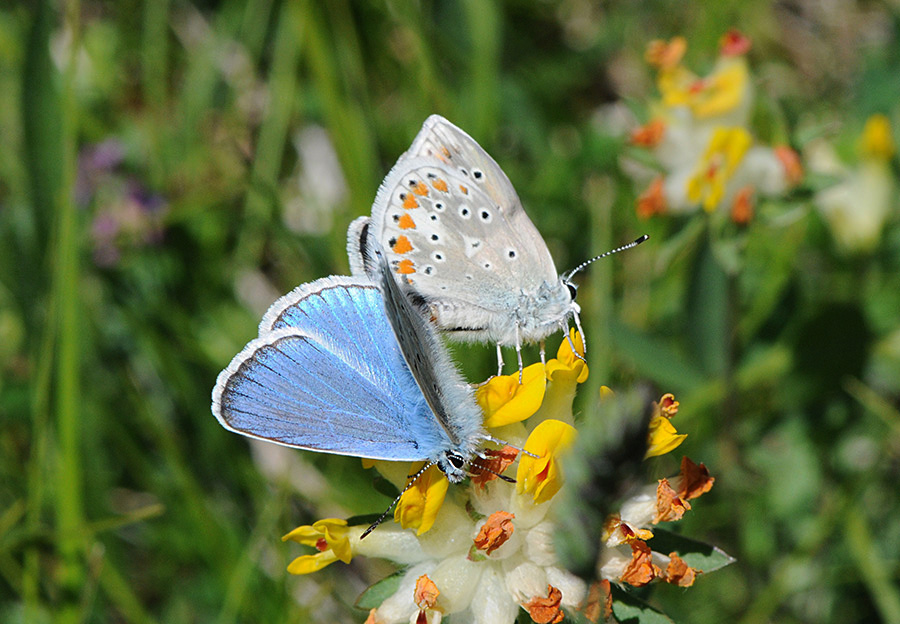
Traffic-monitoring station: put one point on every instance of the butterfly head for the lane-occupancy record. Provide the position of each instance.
(452, 464)
(538, 314)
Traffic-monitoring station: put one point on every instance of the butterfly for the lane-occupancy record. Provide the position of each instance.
(344, 365)
(455, 232)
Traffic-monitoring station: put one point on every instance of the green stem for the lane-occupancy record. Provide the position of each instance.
(65, 292)
(282, 86)
(598, 306)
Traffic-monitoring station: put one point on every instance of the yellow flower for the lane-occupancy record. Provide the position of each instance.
(419, 505)
(722, 91)
(724, 152)
(567, 365)
(330, 537)
(542, 476)
(725, 90)
(876, 141)
(663, 437)
(504, 400)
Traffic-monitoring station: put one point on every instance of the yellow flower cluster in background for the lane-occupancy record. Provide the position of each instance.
(859, 203)
(701, 139)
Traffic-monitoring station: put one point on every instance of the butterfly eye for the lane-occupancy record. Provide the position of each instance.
(573, 290)
(456, 460)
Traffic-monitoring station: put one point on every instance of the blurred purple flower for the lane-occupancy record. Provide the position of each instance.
(126, 213)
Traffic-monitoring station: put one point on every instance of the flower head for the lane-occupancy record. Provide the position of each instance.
(700, 135)
(330, 537)
(858, 205)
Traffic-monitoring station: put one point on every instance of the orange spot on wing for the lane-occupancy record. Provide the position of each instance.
(420, 188)
(406, 267)
(410, 202)
(402, 245)
(406, 222)
(440, 185)
(464, 189)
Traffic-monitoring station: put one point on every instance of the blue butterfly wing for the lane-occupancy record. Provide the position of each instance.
(336, 382)
(327, 305)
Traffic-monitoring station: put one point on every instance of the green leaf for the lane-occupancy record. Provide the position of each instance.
(656, 360)
(707, 310)
(361, 519)
(379, 592)
(771, 259)
(699, 555)
(629, 609)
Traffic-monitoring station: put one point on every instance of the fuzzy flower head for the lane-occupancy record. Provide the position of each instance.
(700, 136)
(859, 204)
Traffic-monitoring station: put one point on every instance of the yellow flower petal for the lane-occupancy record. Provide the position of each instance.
(877, 141)
(542, 476)
(724, 152)
(722, 91)
(419, 505)
(567, 365)
(504, 400)
(663, 437)
(307, 564)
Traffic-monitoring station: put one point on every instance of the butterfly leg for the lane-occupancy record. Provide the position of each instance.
(543, 354)
(519, 352)
(583, 337)
(499, 360)
(563, 326)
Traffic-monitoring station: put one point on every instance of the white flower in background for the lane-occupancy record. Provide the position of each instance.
(320, 185)
(857, 207)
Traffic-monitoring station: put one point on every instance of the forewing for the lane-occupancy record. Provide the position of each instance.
(453, 242)
(440, 141)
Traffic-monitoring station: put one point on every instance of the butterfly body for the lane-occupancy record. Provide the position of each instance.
(455, 232)
(328, 374)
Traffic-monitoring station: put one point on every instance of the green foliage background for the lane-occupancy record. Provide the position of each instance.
(121, 498)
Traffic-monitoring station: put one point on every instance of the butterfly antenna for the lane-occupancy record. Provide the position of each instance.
(491, 438)
(633, 243)
(493, 472)
(381, 518)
